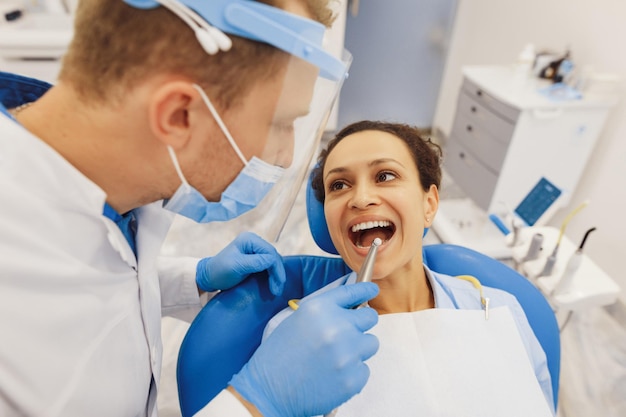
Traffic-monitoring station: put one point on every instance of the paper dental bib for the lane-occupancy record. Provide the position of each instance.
(445, 362)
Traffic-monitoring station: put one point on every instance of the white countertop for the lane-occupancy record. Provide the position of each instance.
(520, 90)
(36, 36)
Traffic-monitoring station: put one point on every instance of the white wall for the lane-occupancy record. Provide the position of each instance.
(494, 32)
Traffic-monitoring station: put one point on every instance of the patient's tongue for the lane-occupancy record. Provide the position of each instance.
(368, 236)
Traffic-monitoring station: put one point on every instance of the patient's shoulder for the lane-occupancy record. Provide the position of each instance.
(453, 292)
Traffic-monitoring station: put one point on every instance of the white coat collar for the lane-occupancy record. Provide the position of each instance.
(26, 158)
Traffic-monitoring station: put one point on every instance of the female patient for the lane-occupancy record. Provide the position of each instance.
(380, 180)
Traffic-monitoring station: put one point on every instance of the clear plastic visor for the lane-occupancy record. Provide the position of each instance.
(284, 116)
(284, 129)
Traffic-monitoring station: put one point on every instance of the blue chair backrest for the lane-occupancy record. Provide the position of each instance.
(229, 328)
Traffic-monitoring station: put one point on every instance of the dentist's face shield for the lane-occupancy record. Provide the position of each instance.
(263, 130)
(213, 20)
(297, 108)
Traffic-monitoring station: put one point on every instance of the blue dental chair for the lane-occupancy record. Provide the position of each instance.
(229, 328)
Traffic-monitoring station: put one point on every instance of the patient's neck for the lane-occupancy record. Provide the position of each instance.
(405, 290)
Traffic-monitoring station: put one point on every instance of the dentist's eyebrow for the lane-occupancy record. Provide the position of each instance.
(292, 116)
(370, 164)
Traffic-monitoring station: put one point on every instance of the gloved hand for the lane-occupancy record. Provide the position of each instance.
(245, 255)
(313, 361)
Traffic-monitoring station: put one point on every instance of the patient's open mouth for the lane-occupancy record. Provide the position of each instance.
(363, 234)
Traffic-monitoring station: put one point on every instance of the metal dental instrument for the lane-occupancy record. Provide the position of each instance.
(367, 269)
(364, 275)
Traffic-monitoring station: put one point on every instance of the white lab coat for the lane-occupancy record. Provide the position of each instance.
(79, 317)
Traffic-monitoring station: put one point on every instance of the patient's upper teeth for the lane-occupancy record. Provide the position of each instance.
(370, 225)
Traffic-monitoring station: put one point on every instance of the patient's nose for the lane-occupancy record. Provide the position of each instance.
(363, 196)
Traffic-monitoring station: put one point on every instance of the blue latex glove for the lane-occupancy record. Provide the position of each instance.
(314, 360)
(245, 255)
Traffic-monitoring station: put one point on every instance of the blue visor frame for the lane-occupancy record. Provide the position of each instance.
(260, 22)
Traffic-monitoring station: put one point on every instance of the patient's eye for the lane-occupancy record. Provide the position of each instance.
(385, 176)
(337, 185)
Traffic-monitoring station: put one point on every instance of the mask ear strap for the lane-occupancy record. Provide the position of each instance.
(177, 165)
(220, 123)
(210, 38)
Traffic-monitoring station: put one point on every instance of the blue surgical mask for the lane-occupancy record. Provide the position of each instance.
(246, 192)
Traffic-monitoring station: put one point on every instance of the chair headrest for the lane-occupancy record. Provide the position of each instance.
(317, 221)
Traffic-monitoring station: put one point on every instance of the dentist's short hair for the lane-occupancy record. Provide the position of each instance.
(115, 47)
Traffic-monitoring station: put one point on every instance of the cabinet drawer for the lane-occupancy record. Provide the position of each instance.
(487, 100)
(475, 179)
(481, 139)
(478, 115)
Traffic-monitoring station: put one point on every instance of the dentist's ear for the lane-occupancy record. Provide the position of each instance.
(170, 107)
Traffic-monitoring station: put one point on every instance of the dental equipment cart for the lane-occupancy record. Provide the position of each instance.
(590, 287)
(505, 137)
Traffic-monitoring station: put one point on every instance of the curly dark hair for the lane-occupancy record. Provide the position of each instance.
(426, 154)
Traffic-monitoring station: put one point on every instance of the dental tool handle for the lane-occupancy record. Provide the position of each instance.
(367, 269)
(565, 283)
(517, 227)
(534, 248)
(549, 266)
(364, 275)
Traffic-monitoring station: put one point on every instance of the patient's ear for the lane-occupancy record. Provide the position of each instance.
(431, 204)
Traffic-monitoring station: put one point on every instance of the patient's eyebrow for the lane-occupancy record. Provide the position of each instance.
(372, 163)
(337, 170)
(384, 161)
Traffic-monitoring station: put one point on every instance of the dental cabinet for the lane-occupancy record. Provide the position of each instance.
(505, 137)
(34, 44)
